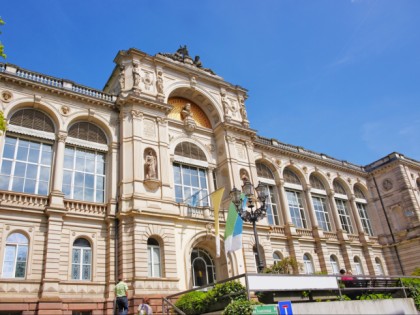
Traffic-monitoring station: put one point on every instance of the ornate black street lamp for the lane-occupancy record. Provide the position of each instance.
(251, 215)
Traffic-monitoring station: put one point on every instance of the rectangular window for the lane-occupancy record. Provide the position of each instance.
(296, 209)
(81, 263)
(343, 212)
(271, 204)
(154, 261)
(320, 207)
(84, 175)
(26, 166)
(367, 227)
(191, 185)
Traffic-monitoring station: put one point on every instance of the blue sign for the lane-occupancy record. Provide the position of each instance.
(285, 308)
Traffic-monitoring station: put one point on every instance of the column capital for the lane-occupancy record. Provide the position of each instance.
(61, 136)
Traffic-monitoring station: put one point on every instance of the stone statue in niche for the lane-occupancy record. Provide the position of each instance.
(136, 75)
(186, 111)
(159, 83)
(186, 115)
(150, 165)
(224, 102)
(122, 78)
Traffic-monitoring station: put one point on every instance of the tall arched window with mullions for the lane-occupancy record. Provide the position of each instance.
(361, 205)
(294, 190)
(81, 260)
(319, 200)
(85, 163)
(27, 153)
(266, 176)
(190, 175)
(341, 201)
(202, 266)
(15, 256)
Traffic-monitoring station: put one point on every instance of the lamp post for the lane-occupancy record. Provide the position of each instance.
(251, 215)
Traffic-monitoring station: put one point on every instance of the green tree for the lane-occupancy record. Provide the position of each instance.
(284, 266)
(2, 54)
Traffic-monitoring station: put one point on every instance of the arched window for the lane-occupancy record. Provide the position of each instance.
(378, 267)
(307, 264)
(294, 189)
(319, 201)
(81, 260)
(277, 257)
(84, 163)
(342, 207)
(15, 256)
(334, 264)
(266, 176)
(203, 269)
(27, 153)
(361, 208)
(190, 175)
(153, 253)
(358, 266)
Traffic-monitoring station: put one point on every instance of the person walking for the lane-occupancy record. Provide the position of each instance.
(145, 308)
(121, 292)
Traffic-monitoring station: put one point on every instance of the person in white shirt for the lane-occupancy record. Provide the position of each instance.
(145, 308)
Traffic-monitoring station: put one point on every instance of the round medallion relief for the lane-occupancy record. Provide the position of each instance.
(387, 184)
(6, 96)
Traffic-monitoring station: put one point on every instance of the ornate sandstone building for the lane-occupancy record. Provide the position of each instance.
(97, 185)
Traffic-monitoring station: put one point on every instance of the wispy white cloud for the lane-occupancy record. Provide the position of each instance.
(401, 134)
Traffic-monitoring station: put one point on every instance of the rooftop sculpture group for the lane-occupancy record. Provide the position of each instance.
(182, 55)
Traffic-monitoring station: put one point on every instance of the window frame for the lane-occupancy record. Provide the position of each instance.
(308, 263)
(151, 249)
(273, 217)
(201, 255)
(17, 246)
(322, 214)
(45, 150)
(300, 208)
(364, 218)
(70, 172)
(201, 192)
(81, 264)
(344, 215)
(335, 266)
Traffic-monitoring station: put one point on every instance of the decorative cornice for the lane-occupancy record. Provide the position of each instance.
(307, 155)
(135, 99)
(237, 129)
(59, 87)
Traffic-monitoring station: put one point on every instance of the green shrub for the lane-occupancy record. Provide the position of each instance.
(192, 303)
(3, 123)
(198, 302)
(374, 296)
(227, 291)
(413, 287)
(243, 307)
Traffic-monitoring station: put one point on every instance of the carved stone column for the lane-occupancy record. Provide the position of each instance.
(311, 210)
(57, 195)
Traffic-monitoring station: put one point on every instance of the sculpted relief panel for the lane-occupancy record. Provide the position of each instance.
(149, 129)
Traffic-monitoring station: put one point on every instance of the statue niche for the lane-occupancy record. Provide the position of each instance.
(150, 165)
(151, 179)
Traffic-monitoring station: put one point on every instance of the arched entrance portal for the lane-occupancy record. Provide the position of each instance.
(203, 268)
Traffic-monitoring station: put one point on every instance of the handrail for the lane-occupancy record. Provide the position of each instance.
(171, 304)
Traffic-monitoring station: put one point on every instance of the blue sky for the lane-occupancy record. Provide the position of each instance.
(340, 77)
